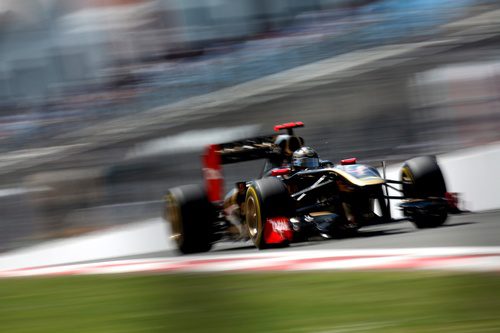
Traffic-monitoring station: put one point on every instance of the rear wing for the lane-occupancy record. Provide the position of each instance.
(288, 126)
(260, 147)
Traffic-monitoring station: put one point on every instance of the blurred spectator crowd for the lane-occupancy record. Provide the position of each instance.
(67, 64)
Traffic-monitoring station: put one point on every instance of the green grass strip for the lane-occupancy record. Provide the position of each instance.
(268, 302)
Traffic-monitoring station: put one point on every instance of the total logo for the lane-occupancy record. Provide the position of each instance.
(279, 224)
(278, 230)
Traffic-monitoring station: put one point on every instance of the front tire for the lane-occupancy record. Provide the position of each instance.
(191, 216)
(423, 179)
(430, 221)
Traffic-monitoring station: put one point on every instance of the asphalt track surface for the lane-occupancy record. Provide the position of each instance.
(465, 230)
(465, 243)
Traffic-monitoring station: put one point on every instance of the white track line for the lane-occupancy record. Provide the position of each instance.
(448, 259)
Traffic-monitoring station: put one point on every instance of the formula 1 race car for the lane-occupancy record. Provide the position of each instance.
(299, 196)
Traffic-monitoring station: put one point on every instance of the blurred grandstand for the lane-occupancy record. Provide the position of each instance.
(70, 64)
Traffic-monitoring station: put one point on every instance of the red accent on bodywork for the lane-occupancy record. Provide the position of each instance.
(212, 172)
(277, 230)
(280, 172)
(452, 198)
(277, 128)
(348, 161)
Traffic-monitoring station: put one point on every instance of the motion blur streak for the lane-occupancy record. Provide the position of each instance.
(384, 79)
(192, 141)
(105, 104)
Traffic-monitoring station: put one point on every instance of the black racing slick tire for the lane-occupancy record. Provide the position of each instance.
(430, 221)
(191, 216)
(265, 198)
(423, 178)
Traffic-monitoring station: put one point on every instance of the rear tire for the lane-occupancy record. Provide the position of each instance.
(424, 180)
(191, 216)
(265, 198)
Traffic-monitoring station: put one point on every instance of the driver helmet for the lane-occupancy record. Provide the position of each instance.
(305, 158)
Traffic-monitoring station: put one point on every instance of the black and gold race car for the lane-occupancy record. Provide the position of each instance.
(299, 196)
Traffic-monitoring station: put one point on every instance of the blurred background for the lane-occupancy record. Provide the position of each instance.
(105, 104)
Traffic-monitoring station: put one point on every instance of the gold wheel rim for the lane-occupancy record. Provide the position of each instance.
(252, 217)
(407, 176)
(174, 216)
